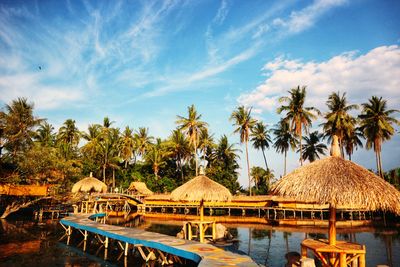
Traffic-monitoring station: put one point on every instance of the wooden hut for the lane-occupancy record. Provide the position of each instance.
(139, 189)
(89, 185)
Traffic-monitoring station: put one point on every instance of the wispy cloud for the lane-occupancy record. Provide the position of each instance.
(361, 76)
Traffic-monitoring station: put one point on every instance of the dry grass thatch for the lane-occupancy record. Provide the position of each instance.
(89, 184)
(140, 188)
(339, 182)
(201, 188)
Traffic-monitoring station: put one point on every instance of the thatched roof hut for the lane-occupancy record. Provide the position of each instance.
(201, 188)
(336, 181)
(139, 188)
(89, 184)
(339, 182)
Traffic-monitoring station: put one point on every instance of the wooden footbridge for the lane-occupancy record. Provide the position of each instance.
(166, 249)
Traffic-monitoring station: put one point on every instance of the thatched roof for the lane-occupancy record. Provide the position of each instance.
(140, 188)
(201, 188)
(339, 182)
(89, 184)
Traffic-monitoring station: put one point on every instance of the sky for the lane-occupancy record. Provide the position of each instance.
(142, 63)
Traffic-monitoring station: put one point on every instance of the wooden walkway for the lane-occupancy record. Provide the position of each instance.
(203, 254)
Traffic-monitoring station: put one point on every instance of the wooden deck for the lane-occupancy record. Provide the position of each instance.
(203, 254)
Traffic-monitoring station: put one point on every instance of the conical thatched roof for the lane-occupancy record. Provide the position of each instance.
(201, 188)
(337, 181)
(89, 184)
(140, 188)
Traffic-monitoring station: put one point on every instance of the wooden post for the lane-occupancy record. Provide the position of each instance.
(303, 252)
(201, 230)
(126, 249)
(214, 230)
(342, 260)
(332, 225)
(201, 210)
(361, 259)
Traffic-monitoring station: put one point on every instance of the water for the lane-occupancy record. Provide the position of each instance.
(28, 243)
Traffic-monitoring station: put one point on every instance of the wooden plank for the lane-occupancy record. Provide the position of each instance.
(204, 254)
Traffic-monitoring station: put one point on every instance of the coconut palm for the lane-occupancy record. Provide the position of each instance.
(108, 150)
(127, 145)
(352, 140)
(206, 143)
(244, 123)
(18, 126)
(313, 148)
(338, 121)
(93, 138)
(68, 138)
(44, 134)
(225, 153)
(157, 157)
(260, 138)
(376, 124)
(284, 140)
(178, 146)
(192, 126)
(299, 116)
(143, 140)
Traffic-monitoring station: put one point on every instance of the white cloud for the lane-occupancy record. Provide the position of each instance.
(361, 76)
(305, 18)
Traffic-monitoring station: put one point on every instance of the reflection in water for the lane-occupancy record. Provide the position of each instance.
(26, 243)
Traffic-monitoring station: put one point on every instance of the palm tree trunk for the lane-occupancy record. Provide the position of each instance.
(284, 171)
(104, 173)
(113, 181)
(248, 167)
(380, 164)
(195, 155)
(265, 159)
(301, 148)
(377, 163)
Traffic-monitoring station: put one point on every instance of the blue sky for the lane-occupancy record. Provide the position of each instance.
(141, 63)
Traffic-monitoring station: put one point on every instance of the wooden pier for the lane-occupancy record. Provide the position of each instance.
(151, 245)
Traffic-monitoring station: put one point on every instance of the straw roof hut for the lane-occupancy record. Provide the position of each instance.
(89, 184)
(336, 181)
(140, 188)
(201, 188)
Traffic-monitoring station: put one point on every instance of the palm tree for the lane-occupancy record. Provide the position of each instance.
(108, 150)
(312, 148)
(352, 140)
(338, 121)
(284, 139)
(68, 137)
(179, 148)
(157, 157)
(143, 140)
(376, 124)
(260, 138)
(225, 153)
(297, 115)
(93, 138)
(192, 127)
(18, 124)
(127, 145)
(244, 122)
(206, 143)
(44, 134)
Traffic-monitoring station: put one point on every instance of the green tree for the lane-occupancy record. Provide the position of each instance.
(178, 146)
(206, 144)
(192, 126)
(18, 125)
(262, 179)
(157, 157)
(261, 139)
(68, 138)
(312, 148)
(377, 125)
(283, 140)
(338, 121)
(44, 135)
(143, 140)
(244, 123)
(352, 140)
(127, 145)
(299, 116)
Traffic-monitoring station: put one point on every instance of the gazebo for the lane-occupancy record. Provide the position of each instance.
(336, 181)
(139, 188)
(88, 185)
(201, 189)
